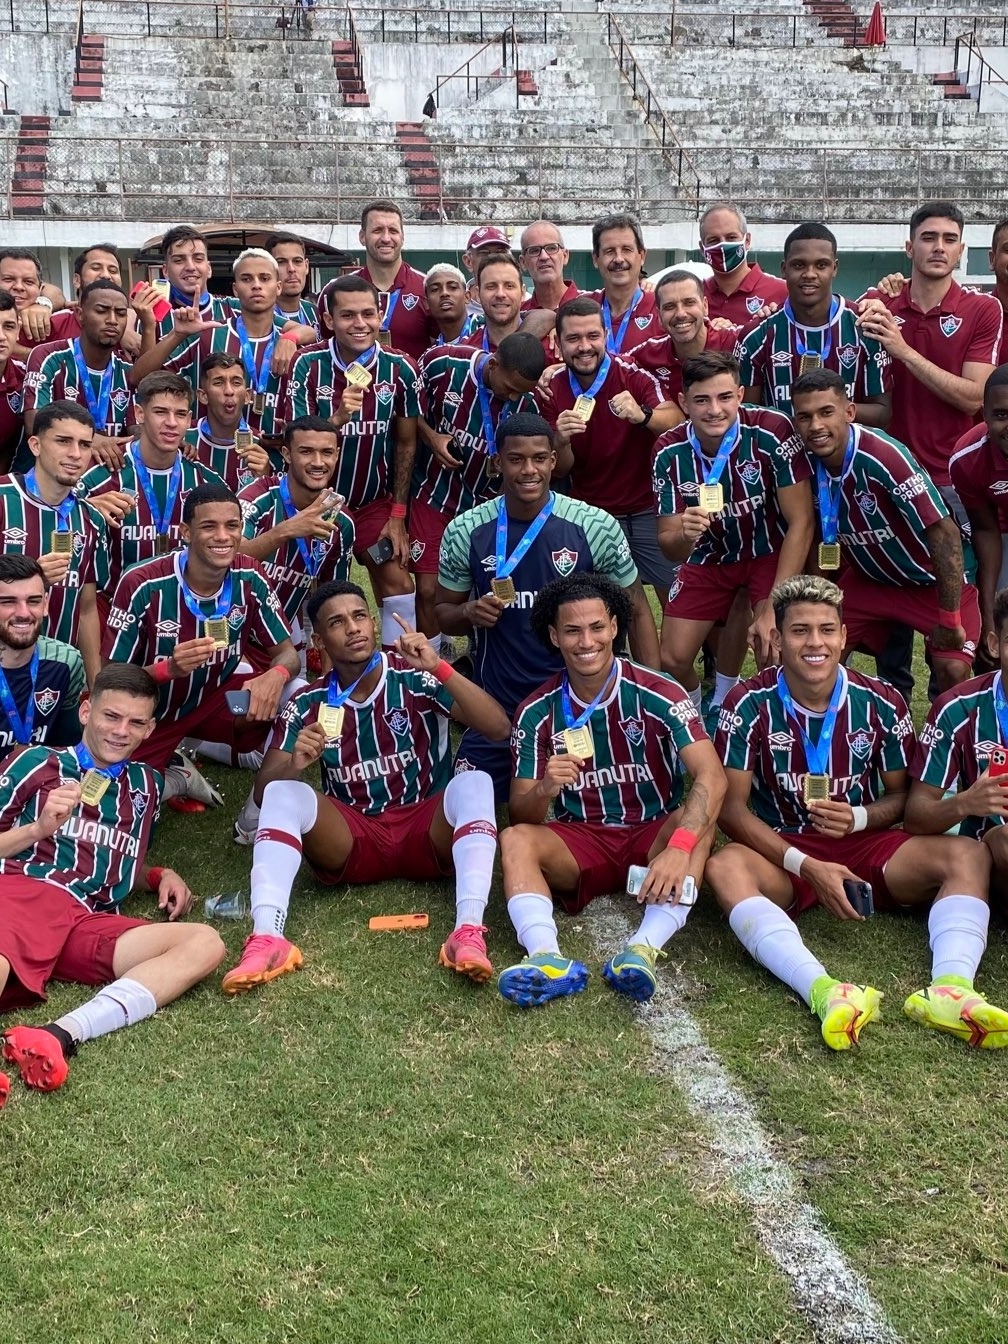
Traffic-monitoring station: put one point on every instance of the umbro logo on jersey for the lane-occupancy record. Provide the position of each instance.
(847, 354)
(949, 325)
(14, 536)
(324, 393)
(781, 359)
(489, 563)
(15, 401)
(564, 561)
(167, 629)
(781, 741)
(860, 743)
(452, 399)
(398, 721)
(663, 373)
(985, 749)
(866, 502)
(753, 304)
(643, 322)
(633, 731)
(417, 549)
(384, 392)
(999, 487)
(138, 801)
(120, 399)
(749, 472)
(46, 701)
(410, 301)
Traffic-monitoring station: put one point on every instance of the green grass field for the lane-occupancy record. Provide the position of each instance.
(375, 1150)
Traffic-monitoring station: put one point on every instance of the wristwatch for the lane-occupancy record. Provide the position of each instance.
(648, 412)
(44, 301)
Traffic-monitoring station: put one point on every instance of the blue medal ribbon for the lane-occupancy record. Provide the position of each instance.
(801, 332)
(257, 381)
(363, 359)
(203, 432)
(182, 300)
(486, 410)
(712, 474)
(87, 762)
(613, 343)
(829, 497)
(505, 567)
(816, 755)
(63, 511)
(589, 710)
(335, 697)
(98, 406)
(393, 298)
(314, 555)
(223, 602)
(162, 520)
(1001, 709)
(22, 729)
(600, 377)
(470, 325)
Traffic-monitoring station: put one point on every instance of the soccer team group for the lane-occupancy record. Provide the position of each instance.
(793, 473)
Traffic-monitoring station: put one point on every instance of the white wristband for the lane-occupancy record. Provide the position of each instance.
(793, 860)
(860, 819)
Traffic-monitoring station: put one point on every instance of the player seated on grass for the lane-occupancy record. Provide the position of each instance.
(75, 825)
(821, 751)
(605, 742)
(963, 746)
(378, 725)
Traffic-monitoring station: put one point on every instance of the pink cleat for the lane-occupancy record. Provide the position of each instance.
(264, 958)
(38, 1055)
(465, 952)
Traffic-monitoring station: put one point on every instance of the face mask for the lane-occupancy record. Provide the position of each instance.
(725, 257)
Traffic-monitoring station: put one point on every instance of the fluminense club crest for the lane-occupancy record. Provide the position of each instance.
(866, 502)
(139, 801)
(564, 561)
(46, 701)
(410, 301)
(749, 472)
(417, 549)
(642, 322)
(753, 303)
(950, 325)
(398, 721)
(633, 731)
(860, 743)
(847, 354)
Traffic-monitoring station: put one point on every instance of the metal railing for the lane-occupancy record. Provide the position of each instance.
(975, 60)
(683, 27)
(390, 23)
(494, 79)
(687, 178)
(259, 19)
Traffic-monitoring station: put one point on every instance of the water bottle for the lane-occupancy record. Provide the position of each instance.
(227, 905)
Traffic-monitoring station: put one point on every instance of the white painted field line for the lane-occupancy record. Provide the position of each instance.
(831, 1295)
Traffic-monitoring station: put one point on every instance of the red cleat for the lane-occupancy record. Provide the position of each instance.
(38, 1055)
(180, 804)
(465, 953)
(264, 958)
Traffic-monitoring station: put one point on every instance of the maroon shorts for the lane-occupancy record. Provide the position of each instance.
(212, 721)
(603, 854)
(395, 844)
(426, 528)
(707, 592)
(47, 935)
(865, 853)
(871, 608)
(368, 521)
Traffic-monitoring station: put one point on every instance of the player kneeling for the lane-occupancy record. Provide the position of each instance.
(821, 753)
(378, 723)
(602, 742)
(75, 824)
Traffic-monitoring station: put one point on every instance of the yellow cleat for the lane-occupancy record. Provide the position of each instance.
(963, 1012)
(847, 1009)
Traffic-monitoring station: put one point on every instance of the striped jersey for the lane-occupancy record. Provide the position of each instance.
(187, 361)
(306, 313)
(26, 528)
(220, 456)
(770, 356)
(886, 502)
(768, 457)
(393, 749)
(51, 374)
(956, 741)
(136, 538)
(97, 853)
(263, 509)
(149, 617)
(450, 402)
(873, 733)
(367, 441)
(54, 697)
(638, 731)
(217, 308)
(508, 660)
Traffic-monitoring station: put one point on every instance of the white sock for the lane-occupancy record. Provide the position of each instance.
(660, 922)
(405, 605)
(224, 754)
(532, 917)
(957, 926)
(722, 685)
(289, 808)
(468, 804)
(773, 940)
(121, 1004)
(696, 695)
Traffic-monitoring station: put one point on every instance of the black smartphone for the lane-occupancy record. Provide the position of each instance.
(859, 896)
(238, 702)
(381, 551)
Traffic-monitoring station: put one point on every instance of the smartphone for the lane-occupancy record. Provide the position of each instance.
(636, 874)
(393, 923)
(859, 896)
(382, 551)
(238, 702)
(999, 763)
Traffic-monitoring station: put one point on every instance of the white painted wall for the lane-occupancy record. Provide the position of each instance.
(38, 69)
(399, 76)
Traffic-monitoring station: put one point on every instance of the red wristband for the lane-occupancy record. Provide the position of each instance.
(682, 839)
(279, 667)
(161, 670)
(154, 876)
(951, 620)
(443, 671)
(288, 336)
(397, 511)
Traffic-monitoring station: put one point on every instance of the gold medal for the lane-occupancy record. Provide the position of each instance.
(357, 376)
(578, 742)
(243, 440)
(815, 788)
(94, 786)
(503, 590)
(162, 544)
(330, 718)
(384, 339)
(61, 543)
(712, 498)
(808, 363)
(583, 407)
(829, 555)
(259, 403)
(217, 629)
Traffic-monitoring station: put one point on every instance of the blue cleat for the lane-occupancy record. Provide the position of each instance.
(541, 977)
(632, 971)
